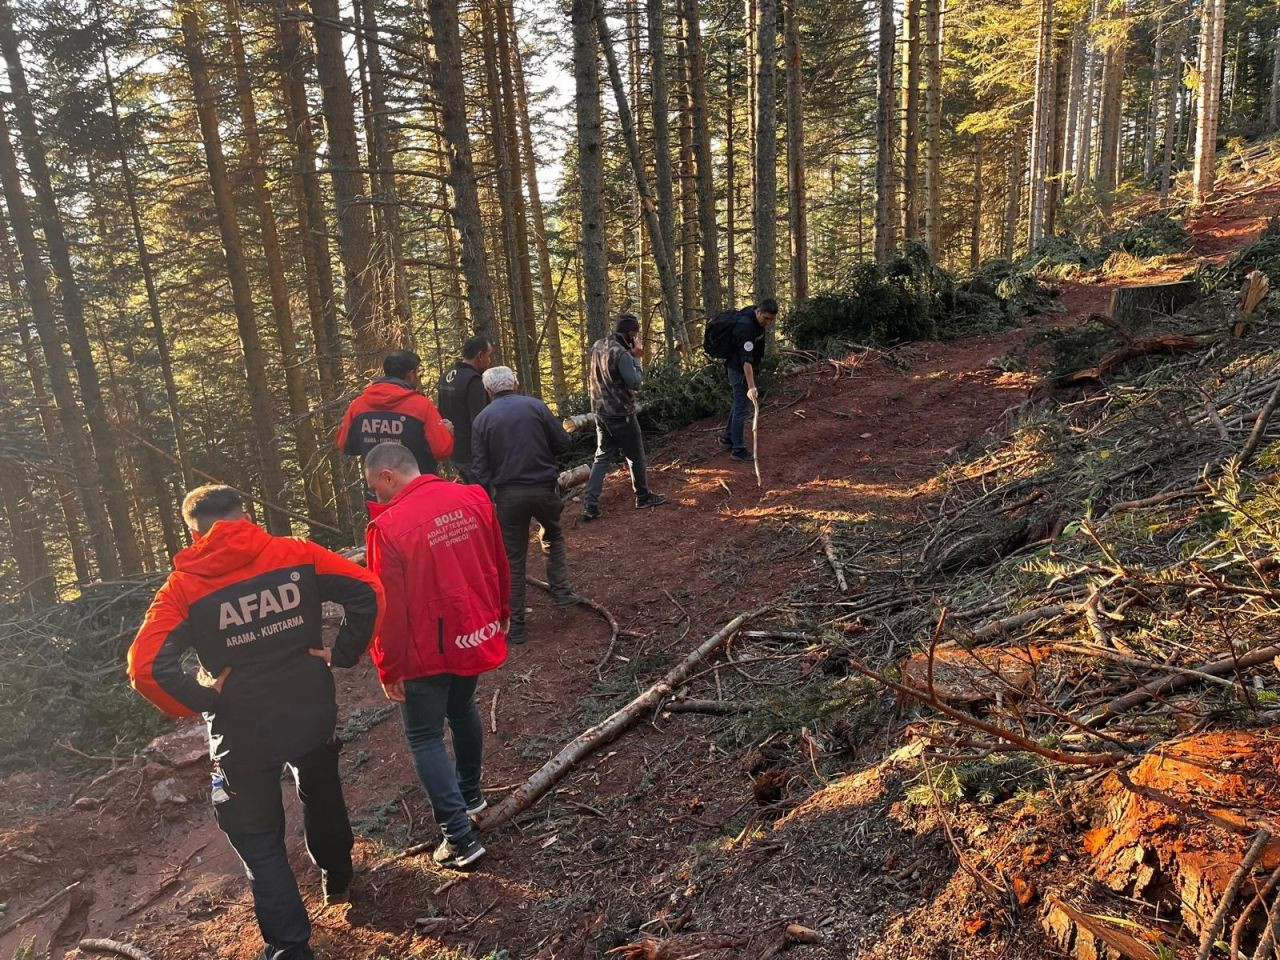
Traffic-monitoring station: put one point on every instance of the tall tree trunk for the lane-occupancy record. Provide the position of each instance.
(663, 165)
(159, 335)
(688, 242)
(1041, 124)
(885, 205)
(910, 118)
(1112, 104)
(797, 198)
(382, 162)
(1013, 201)
(511, 204)
(1084, 127)
(315, 491)
(1173, 98)
(125, 557)
(708, 233)
(643, 246)
(1057, 134)
(731, 183)
(1208, 95)
(933, 127)
(1153, 99)
(666, 272)
(1075, 91)
(586, 78)
(1273, 111)
(450, 94)
(550, 311)
(27, 546)
(355, 228)
(975, 212)
(764, 215)
(260, 407)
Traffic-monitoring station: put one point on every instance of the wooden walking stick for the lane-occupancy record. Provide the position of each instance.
(755, 437)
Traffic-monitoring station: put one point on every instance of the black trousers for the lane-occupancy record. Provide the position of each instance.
(252, 817)
(518, 506)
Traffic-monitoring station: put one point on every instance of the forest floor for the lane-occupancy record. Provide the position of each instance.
(665, 830)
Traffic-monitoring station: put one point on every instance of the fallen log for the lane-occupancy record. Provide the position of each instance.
(608, 730)
(574, 477)
(1165, 343)
(1175, 682)
(581, 421)
(115, 947)
(722, 708)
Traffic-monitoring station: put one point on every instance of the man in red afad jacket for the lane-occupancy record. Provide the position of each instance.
(438, 550)
(249, 605)
(392, 408)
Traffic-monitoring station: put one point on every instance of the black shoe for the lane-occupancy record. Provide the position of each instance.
(724, 442)
(515, 635)
(742, 456)
(565, 600)
(476, 804)
(650, 500)
(335, 886)
(590, 513)
(459, 854)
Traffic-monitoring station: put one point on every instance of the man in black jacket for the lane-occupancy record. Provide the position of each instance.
(515, 442)
(613, 379)
(462, 397)
(743, 363)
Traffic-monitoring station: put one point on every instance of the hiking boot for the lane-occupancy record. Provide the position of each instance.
(724, 443)
(742, 456)
(476, 804)
(590, 513)
(650, 500)
(459, 854)
(564, 600)
(336, 886)
(516, 634)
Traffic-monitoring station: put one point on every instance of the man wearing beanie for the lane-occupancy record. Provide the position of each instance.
(614, 378)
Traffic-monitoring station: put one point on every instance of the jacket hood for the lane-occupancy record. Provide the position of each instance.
(387, 393)
(378, 509)
(229, 545)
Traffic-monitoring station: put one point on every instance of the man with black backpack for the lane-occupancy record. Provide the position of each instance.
(738, 338)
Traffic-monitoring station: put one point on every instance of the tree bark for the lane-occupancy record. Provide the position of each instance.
(708, 232)
(764, 215)
(260, 406)
(1153, 98)
(1273, 110)
(885, 205)
(1057, 135)
(1084, 126)
(1173, 99)
(1113, 63)
(910, 118)
(355, 228)
(975, 212)
(688, 242)
(731, 184)
(124, 557)
(586, 77)
(666, 273)
(315, 491)
(933, 17)
(1013, 201)
(659, 104)
(797, 194)
(450, 94)
(1041, 124)
(1208, 95)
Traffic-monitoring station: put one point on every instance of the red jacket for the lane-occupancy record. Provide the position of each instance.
(438, 550)
(389, 409)
(243, 599)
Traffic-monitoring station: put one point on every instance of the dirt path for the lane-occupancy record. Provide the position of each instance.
(585, 868)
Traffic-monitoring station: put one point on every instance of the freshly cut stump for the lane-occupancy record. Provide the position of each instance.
(1134, 304)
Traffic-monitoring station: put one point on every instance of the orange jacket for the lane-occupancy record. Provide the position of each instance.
(243, 599)
(389, 409)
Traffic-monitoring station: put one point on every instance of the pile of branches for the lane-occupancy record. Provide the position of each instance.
(64, 686)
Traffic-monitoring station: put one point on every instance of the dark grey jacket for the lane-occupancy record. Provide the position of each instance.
(515, 442)
(615, 376)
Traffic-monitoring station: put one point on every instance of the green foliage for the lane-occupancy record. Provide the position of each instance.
(1263, 254)
(986, 781)
(1073, 348)
(912, 298)
(1156, 235)
(1061, 256)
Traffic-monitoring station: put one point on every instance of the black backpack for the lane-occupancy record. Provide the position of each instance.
(717, 341)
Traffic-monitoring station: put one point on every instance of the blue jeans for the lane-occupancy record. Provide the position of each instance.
(427, 702)
(738, 412)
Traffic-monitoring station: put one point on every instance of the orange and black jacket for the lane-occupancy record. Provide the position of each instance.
(390, 409)
(243, 599)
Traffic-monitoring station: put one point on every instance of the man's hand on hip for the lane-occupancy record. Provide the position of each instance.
(324, 653)
(394, 691)
(220, 679)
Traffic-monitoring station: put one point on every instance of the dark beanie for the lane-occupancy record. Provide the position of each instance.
(627, 323)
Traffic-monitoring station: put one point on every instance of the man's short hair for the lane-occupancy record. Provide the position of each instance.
(392, 456)
(213, 501)
(401, 363)
(497, 379)
(476, 345)
(768, 305)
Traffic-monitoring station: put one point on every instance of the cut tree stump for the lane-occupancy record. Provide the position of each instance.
(1132, 305)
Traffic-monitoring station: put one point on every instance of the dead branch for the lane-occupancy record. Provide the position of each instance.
(1259, 427)
(1141, 664)
(1178, 681)
(1000, 733)
(1258, 900)
(113, 946)
(493, 712)
(1210, 936)
(609, 729)
(1166, 343)
(169, 884)
(608, 618)
(716, 707)
(829, 549)
(38, 908)
(574, 477)
(1019, 620)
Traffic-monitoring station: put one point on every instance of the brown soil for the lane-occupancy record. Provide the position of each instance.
(661, 832)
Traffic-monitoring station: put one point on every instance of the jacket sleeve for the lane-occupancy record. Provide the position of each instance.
(439, 438)
(359, 591)
(393, 638)
(500, 557)
(348, 443)
(480, 453)
(477, 398)
(629, 370)
(155, 659)
(557, 436)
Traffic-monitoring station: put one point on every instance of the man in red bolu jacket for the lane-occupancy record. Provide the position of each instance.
(438, 550)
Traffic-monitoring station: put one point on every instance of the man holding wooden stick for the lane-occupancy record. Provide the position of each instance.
(738, 338)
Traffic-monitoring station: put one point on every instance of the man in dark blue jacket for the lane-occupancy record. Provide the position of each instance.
(462, 397)
(515, 442)
(743, 363)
